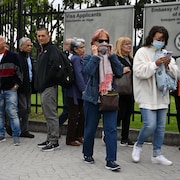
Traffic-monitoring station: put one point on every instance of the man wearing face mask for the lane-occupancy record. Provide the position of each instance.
(152, 105)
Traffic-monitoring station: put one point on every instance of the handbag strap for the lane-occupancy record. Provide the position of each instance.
(127, 60)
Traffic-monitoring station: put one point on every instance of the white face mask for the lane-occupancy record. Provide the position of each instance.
(158, 44)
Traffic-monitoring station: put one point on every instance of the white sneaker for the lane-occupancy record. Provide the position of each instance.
(161, 160)
(136, 153)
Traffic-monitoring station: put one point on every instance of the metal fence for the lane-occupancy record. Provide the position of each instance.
(18, 20)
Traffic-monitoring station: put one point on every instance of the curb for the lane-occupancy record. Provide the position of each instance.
(170, 138)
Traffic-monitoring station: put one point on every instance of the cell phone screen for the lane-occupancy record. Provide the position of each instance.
(169, 53)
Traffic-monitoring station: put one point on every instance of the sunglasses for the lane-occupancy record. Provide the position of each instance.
(102, 40)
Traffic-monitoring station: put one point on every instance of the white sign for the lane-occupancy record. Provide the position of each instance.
(167, 15)
(118, 21)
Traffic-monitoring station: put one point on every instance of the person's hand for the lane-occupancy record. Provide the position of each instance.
(110, 48)
(126, 70)
(15, 87)
(94, 50)
(166, 60)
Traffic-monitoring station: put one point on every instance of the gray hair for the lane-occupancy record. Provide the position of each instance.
(23, 40)
(76, 42)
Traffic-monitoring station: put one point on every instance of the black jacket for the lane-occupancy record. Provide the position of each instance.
(45, 69)
(26, 86)
(125, 63)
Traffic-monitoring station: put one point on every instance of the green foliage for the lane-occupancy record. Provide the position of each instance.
(69, 4)
(135, 124)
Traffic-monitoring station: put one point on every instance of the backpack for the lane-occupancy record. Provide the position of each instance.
(64, 75)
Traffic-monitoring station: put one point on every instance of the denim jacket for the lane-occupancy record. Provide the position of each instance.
(91, 69)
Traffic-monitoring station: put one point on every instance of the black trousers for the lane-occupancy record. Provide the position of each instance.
(126, 106)
(75, 120)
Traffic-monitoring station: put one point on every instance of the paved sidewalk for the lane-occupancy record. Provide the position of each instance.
(27, 162)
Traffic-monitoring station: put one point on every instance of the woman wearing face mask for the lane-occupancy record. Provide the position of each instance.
(152, 105)
(99, 82)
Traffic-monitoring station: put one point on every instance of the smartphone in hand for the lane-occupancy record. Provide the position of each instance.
(169, 53)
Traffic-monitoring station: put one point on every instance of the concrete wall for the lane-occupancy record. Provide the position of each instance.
(170, 138)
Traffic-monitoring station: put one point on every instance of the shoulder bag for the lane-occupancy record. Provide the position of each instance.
(109, 102)
(123, 85)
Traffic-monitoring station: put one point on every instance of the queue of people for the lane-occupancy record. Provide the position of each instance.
(93, 76)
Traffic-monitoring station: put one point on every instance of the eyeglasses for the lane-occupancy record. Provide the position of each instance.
(127, 44)
(102, 40)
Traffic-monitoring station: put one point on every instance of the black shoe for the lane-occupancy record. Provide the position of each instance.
(50, 147)
(126, 143)
(43, 144)
(27, 134)
(88, 159)
(2, 139)
(111, 165)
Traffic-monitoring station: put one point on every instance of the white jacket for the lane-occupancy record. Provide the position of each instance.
(146, 93)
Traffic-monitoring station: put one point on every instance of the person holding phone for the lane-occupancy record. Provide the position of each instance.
(152, 105)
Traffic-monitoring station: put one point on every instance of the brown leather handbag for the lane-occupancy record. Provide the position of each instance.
(109, 102)
(123, 85)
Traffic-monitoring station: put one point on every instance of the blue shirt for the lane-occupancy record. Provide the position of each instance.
(30, 68)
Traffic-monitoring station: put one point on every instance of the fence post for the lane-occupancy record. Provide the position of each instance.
(19, 23)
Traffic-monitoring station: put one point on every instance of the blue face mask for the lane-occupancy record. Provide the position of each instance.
(158, 44)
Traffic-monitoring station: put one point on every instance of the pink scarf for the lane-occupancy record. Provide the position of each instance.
(105, 74)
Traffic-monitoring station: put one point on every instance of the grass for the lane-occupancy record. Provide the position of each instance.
(170, 126)
(136, 123)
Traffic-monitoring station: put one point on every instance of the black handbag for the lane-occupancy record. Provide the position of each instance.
(123, 85)
(109, 102)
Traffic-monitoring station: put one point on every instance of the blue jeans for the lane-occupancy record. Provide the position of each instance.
(9, 102)
(92, 116)
(154, 124)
